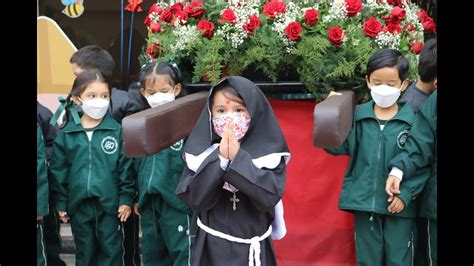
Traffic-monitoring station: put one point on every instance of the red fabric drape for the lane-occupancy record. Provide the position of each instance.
(318, 232)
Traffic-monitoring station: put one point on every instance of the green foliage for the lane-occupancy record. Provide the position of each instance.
(263, 53)
(210, 59)
(320, 65)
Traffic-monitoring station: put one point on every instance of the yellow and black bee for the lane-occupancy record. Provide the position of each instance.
(74, 8)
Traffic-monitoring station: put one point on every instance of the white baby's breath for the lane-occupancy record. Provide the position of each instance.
(185, 34)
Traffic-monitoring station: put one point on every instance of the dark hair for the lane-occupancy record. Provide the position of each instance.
(161, 68)
(227, 90)
(93, 57)
(388, 58)
(427, 62)
(80, 84)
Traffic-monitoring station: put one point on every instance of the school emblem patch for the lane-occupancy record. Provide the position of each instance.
(177, 146)
(402, 138)
(109, 145)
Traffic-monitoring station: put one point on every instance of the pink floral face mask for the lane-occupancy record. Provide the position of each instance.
(240, 124)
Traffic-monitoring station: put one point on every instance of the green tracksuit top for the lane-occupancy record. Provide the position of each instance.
(42, 207)
(83, 169)
(421, 151)
(160, 174)
(370, 149)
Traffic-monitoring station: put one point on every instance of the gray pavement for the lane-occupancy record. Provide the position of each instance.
(67, 245)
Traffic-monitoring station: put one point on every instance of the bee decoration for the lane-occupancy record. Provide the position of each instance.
(74, 8)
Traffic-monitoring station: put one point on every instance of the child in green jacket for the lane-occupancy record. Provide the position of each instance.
(42, 207)
(93, 182)
(164, 219)
(384, 231)
(421, 151)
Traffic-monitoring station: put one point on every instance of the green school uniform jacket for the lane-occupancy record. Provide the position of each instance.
(370, 149)
(159, 174)
(420, 151)
(42, 207)
(83, 169)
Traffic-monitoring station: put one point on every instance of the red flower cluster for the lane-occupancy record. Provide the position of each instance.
(195, 9)
(154, 10)
(177, 11)
(206, 28)
(293, 31)
(417, 47)
(153, 50)
(428, 23)
(335, 35)
(228, 15)
(372, 27)
(254, 22)
(273, 8)
(311, 17)
(353, 7)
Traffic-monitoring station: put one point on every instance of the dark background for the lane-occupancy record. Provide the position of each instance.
(100, 25)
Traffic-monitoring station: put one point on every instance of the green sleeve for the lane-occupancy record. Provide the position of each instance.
(59, 167)
(420, 146)
(347, 147)
(413, 186)
(126, 179)
(42, 207)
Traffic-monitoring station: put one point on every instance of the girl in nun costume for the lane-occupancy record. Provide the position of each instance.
(235, 176)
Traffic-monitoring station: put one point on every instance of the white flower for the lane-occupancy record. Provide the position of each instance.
(388, 40)
(337, 11)
(293, 13)
(235, 33)
(185, 34)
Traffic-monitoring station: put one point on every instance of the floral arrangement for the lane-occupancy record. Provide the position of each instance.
(326, 42)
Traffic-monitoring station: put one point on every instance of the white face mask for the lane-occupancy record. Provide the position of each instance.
(95, 108)
(384, 95)
(160, 98)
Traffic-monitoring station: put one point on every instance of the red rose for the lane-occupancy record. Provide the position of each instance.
(409, 27)
(417, 47)
(422, 15)
(311, 17)
(398, 12)
(254, 22)
(391, 20)
(335, 35)
(228, 16)
(147, 20)
(429, 25)
(293, 31)
(353, 7)
(155, 27)
(372, 27)
(155, 8)
(153, 50)
(272, 9)
(195, 9)
(176, 7)
(167, 15)
(392, 28)
(395, 2)
(206, 28)
(181, 15)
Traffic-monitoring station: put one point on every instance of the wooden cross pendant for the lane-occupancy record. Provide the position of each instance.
(234, 200)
